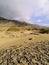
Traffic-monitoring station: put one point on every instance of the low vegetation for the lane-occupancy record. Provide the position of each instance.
(44, 30)
(13, 29)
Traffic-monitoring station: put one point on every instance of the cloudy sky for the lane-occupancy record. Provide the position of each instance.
(33, 11)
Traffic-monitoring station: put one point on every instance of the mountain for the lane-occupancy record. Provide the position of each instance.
(16, 22)
(7, 22)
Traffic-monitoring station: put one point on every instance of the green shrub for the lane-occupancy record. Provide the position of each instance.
(43, 31)
(13, 29)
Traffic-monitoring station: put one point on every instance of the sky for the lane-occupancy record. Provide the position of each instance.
(31, 11)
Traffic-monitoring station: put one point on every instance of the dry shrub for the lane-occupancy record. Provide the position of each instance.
(44, 30)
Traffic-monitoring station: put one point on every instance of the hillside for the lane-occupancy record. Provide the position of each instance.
(22, 43)
(18, 23)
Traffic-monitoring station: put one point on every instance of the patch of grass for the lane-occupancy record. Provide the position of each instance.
(13, 29)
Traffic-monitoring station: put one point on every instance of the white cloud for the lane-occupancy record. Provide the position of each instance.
(39, 21)
(46, 25)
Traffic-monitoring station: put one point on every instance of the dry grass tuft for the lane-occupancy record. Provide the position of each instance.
(13, 29)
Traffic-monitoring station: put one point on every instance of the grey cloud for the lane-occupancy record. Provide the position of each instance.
(8, 9)
(24, 9)
(15, 8)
